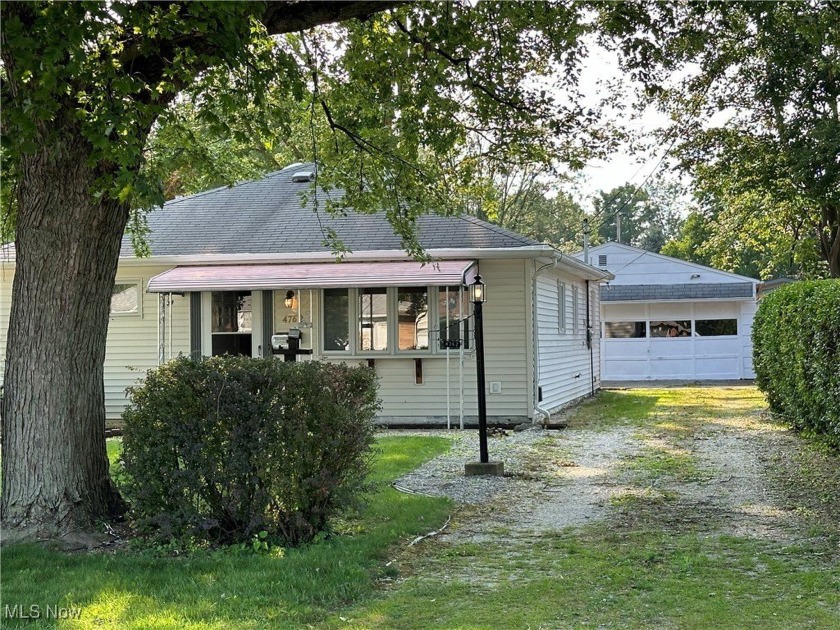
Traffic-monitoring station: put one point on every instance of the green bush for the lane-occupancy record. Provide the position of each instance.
(796, 337)
(224, 448)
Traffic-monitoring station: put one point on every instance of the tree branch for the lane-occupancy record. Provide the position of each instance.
(278, 18)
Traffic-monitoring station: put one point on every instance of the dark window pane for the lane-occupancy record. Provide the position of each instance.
(716, 327)
(231, 311)
(625, 330)
(336, 319)
(413, 318)
(671, 329)
(232, 344)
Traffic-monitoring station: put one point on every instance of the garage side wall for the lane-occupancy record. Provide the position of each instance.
(565, 370)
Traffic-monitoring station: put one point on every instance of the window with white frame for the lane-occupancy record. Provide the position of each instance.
(412, 318)
(373, 320)
(126, 298)
(394, 320)
(561, 306)
(575, 308)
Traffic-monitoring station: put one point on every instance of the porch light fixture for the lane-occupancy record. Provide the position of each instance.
(484, 466)
(290, 301)
(477, 293)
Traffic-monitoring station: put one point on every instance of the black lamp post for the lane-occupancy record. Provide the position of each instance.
(484, 466)
(477, 297)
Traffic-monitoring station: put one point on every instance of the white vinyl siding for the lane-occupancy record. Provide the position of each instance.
(506, 358)
(132, 345)
(132, 348)
(564, 360)
(6, 276)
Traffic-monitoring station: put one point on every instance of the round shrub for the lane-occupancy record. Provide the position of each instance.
(796, 338)
(224, 448)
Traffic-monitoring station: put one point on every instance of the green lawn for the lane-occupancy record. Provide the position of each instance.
(640, 571)
(650, 566)
(225, 590)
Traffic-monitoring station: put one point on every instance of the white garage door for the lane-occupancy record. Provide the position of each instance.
(687, 340)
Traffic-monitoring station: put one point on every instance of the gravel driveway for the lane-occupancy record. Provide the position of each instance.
(709, 472)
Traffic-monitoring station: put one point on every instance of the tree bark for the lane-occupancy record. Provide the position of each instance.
(828, 233)
(55, 465)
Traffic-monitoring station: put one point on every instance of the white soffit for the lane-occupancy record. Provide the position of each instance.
(313, 275)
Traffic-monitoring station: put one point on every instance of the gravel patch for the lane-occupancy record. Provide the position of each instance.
(556, 479)
(553, 479)
(583, 486)
(444, 475)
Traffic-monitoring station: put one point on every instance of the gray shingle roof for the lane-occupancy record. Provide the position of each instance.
(659, 292)
(266, 216)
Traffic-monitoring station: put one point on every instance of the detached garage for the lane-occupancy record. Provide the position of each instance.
(664, 318)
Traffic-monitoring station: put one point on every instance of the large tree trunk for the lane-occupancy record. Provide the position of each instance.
(828, 233)
(55, 467)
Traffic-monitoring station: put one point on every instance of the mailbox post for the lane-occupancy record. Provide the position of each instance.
(288, 344)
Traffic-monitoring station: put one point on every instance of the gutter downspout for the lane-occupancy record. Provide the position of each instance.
(536, 342)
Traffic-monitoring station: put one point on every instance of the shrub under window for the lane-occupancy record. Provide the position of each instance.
(224, 448)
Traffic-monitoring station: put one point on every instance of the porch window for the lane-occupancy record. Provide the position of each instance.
(125, 298)
(413, 318)
(373, 320)
(453, 318)
(336, 319)
(292, 309)
(231, 322)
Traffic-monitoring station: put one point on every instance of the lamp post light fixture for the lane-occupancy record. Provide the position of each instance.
(484, 466)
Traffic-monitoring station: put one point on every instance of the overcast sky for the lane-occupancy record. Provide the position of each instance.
(621, 167)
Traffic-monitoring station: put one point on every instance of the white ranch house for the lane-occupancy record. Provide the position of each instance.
(664, 318)
(242, 269)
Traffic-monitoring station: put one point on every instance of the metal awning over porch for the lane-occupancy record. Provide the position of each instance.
(313, 276)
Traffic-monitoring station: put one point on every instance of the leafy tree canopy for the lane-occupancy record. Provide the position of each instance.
(648, 216)
(403, 111)
(403, 108)
(758, 102)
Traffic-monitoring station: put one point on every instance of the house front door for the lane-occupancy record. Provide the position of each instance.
(232, 323)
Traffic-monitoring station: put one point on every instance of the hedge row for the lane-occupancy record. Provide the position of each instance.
(796, 337)
(229, 448)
